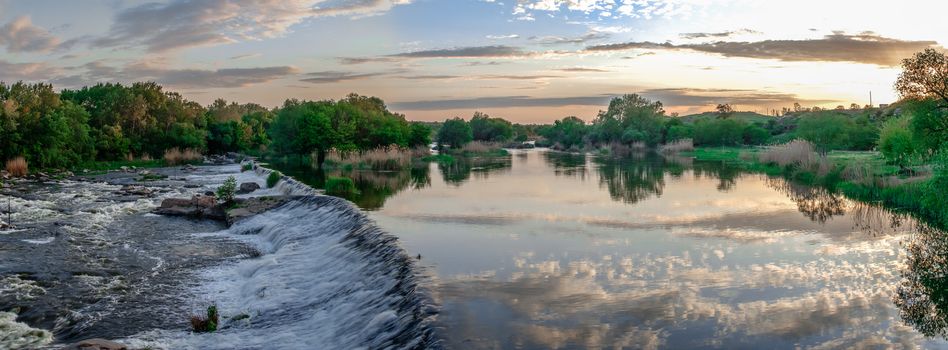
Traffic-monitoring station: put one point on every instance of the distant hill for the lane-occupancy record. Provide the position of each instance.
(750, 117)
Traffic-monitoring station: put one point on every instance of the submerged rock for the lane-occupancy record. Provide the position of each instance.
(96, 344)
(248, 187)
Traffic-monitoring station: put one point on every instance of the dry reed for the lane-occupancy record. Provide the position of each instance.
(175, 156)
(17, 167)
(683, 145)
(382, 158)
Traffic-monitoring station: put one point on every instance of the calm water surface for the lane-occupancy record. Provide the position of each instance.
(548, 250)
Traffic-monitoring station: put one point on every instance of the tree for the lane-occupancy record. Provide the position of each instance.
(896, 142)
(455, 132)
(924, 75)
(854, 106)
(310, 127)
(485, 128)
(567, 132)
(827, 132)
(724, 111)
(630, 118)
(420, 135)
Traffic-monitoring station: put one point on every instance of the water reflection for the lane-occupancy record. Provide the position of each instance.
(460, 171)
(922, 294)
(816, 203)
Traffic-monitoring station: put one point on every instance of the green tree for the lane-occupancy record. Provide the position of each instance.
(309, 127)
(630, 118)
(420, 135)
(455, 132)
(567, 132)
(925, 75)
(826, 132)
(485, 128)
(896, 141)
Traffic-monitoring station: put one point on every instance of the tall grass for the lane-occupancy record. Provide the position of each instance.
(175, 156)
(683, 145)
(477, 147)
(382, 158)
(797, 153)
(17, 167)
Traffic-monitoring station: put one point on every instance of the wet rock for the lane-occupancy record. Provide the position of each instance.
(248, 187)
(136, 191)
(5, 226)
(189, 167)
(123, 169)
(247, 207)
(96, 344)
(199, 206)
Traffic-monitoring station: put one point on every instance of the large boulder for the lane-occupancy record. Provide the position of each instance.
(247, 207)
(199, 206)
(96, 344)
(248, 187)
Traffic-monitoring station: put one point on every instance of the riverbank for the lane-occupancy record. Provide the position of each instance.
(859, 175)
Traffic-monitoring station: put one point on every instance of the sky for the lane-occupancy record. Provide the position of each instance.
(530, 61)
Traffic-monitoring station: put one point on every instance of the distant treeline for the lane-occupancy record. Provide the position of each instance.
(114, 122)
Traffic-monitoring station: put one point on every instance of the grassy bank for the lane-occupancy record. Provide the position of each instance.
(859, 175)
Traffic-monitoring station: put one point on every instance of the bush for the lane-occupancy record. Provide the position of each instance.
(273, 178)
(896, 141)
(340, 186)
(225, 193)
(246, 167)
(17, 167)
(682, 145)
(719, 132)
(455, 132)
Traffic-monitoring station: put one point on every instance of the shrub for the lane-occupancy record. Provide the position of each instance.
(382, 158)
(340, 186)
(226, 192)
(273, 178)
(896, 141)
(17, 167)
(719, 132)
(175, 156)
(246, 167)
(209, 323)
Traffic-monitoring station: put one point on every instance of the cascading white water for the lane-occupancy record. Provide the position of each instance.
(327, 278)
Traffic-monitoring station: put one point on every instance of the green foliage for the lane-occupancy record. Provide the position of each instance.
(929, 123)
(836, 130)
(226, 192)
(439, 158)
(208, 323)
(485, 128)
(340, 186)
(246, 167)
(455, 132)
(630, 118)
(719, 132)
(273, 178)
(568, 132)
(420, 135)
(755, 135)
(896, 141)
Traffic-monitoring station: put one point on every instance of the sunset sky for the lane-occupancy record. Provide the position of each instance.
(527, 60)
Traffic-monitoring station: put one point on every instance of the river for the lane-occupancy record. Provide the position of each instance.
(536, 250)
(546, 250)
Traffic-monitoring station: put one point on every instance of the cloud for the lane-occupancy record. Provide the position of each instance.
(725, 34)
(10, 71)
(582, 70)
(20, 35)
(582, 39)
(178, 24)
(501, 37)
(466, 52)
(501, 102)
(246, 56)
(686, 97)
(98, 71)
(339, 76)
(645, 9)
(838, 47)
(429, 77)
(361, 60)
(517, 77)
(482, 63)
(704, 97)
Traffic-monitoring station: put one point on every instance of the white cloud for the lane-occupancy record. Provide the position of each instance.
(20, 35)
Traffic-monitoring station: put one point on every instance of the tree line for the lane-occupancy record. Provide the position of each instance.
(107, 122)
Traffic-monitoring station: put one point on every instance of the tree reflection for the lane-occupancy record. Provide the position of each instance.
(922, 295)
(567, 164)
(632, 180)
(816, 203)
(461, 170)
(726, 174)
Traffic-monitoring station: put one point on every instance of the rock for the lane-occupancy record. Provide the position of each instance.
(175, 202)
(247, 207)
(204, 201)
(144, 172)
(209, 193)
(136, 190)
(123, 168)
(248, 187)
(96, 344)
(5, 226)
